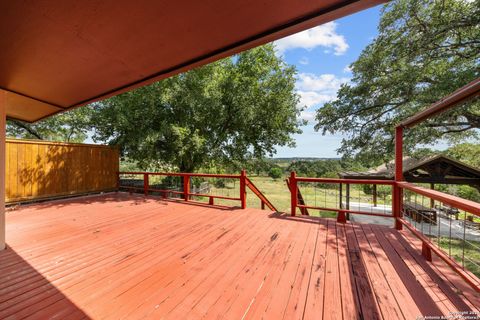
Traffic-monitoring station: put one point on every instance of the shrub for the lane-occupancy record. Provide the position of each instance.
(275, 173)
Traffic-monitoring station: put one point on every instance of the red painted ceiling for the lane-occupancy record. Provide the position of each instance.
(57, 55)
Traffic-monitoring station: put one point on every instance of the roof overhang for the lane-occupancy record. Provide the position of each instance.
(57, 55)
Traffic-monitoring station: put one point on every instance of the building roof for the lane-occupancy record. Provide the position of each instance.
(435, 169)
(58, 55)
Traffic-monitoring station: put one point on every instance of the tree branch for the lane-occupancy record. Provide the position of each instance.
(27, 128)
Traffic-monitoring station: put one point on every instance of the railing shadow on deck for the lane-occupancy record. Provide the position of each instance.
(80, 200)
(298, 218)
(131, 199)
(415, 252)
(25, 292)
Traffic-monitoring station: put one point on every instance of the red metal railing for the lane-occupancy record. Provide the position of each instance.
(341, 207)
(425, 223)
(182, 186)
(445, 225)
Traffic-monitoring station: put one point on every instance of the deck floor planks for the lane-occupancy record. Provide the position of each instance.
(245, 292)
(332, 299)
(363, 284)
(276, 282)
(235, 273)
(349, 296)
(169, 261)
(405, 299)
(430, 286)
(127, 256)
(386, 299)
(78, 280)
(52, 263)
(186, 289)
(458, 290)
(298, 297)
(407, 283)
(285, 286)
(315, 293)
(252, 272)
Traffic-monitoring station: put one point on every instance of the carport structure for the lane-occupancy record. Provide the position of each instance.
(135, 256)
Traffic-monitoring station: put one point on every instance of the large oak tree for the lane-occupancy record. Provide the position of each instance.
(425, 50)
(225, 112)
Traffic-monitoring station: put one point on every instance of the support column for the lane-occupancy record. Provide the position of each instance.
(432, 201)
(397, 191)
(347, 200)
(3, 105)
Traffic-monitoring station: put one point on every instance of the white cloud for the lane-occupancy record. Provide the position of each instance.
(326, 83)
(315, 90)
(347, 69)
(312, 98)
(304, 61)
(324, 36)
(307, 115)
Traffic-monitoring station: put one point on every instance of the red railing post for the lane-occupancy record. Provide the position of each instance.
(397, 191)
(293, 192)
(243, 189)
(145, 184)
(341, 217)
(186, 187)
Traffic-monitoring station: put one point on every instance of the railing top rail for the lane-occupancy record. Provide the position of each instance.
(454, 201)
(182, 174)
(349, 181)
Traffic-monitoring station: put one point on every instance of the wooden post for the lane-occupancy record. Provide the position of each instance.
(397, 192)
(340, 195)
(341, 217)
(243, 189)
(186, 187)
(374, 187)
(145, 184)
(2, 167)
(426, 251)
(347, 201)
(432, 201)
(293, 193)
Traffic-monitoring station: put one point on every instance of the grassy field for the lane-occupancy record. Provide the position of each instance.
(314, 195)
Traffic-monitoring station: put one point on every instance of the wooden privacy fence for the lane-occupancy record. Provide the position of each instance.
(38, 169)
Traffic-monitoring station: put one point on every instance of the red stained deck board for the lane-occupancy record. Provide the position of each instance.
(126, 256)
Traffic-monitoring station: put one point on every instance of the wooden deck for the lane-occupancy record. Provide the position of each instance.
(121, 256)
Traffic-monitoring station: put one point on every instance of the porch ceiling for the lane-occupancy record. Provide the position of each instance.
(57, 55)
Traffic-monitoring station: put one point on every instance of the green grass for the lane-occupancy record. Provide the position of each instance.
(455, 249)
(277, 192)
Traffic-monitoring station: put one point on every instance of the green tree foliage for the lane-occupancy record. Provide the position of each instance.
(258, 166)
(228, 111)
(70, 126)
(275, 173)
(466, 152)
(328, 168)
(424, 51)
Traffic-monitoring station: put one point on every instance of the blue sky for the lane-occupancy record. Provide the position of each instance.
(322, 56)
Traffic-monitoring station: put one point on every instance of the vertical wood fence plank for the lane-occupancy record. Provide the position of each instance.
(39, 169)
